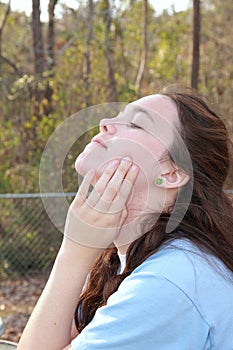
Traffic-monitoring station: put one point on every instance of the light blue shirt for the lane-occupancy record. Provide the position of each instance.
(178, 299)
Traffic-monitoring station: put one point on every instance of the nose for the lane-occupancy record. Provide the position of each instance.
(107, 126)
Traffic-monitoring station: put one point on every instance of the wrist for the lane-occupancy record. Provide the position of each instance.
(76, 253)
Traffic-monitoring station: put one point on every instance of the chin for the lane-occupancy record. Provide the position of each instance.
(80, 165)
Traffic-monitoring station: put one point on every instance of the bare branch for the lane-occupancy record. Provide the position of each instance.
(3, 22)
(11, 64)
(6, 13)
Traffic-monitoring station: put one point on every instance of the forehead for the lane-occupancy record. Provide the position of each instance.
(159, 105)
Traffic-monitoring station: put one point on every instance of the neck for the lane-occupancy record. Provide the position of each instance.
(129, 232)
(123, 249)
(136, 224)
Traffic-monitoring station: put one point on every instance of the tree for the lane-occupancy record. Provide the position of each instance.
(2, 25)
(43, 62)
(51, 60)
(51, 34)
(38, 45)
(144, 48)
(92, 54)
(3, 22)
(196, 44)
(216, 70)
(89, 37)
(112, 96)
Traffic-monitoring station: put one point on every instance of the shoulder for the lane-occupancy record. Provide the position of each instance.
(200, 277)
(182, 260)
(182, 263)
(167, 289)
(139, 313)
(166, 277)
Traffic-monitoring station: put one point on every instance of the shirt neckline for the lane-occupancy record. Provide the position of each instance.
(122, 258)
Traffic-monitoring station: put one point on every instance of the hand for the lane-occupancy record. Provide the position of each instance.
(95, 220)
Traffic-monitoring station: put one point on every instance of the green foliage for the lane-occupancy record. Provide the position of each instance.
(31, 107)
(170, 62)
(28, 116)
(216, 58)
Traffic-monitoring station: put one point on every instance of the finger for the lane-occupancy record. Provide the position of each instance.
(101, 184)
(121, 198)
(84, 188)
(106, 176)
(112, 187)
(123, 217)
(125, 190)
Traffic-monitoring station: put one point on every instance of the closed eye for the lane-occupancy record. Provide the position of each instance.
(135, 126)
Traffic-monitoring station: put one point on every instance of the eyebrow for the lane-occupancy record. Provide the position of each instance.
(139, 109)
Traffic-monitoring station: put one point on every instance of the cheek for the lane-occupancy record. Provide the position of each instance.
(145, 141)
(149, 171)
(155, 146)
(144, 155)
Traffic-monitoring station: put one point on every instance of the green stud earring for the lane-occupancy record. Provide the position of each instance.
(159, 181)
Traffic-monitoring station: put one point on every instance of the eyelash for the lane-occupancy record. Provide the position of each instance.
(135, 126)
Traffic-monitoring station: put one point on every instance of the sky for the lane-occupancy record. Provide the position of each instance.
(159, 5)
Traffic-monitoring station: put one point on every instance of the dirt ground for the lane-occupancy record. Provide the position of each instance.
(17, 300)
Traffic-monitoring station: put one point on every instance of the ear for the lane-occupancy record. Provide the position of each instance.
(175, 178)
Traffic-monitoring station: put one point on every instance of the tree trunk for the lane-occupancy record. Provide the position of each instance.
(89, 36)
(50, 54)
(196, 44)
(109, 52)
(51, 34)
(3, 22)
(141, 69)
(38, 47)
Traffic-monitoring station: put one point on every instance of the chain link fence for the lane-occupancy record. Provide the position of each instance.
(28, 240)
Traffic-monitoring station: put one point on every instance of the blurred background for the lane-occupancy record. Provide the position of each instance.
(57, 58)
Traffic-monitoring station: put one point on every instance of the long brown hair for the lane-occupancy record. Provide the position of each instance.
(208, 221)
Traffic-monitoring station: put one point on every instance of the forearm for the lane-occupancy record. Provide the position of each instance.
(95, 219)
(49, 326)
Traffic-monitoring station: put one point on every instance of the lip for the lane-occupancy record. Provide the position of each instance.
(98, 140)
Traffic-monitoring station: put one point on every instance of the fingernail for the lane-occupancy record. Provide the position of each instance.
(127, 159)
(134, 168)
(113, 164)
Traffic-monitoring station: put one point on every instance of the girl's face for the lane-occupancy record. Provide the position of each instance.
(143, 131)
